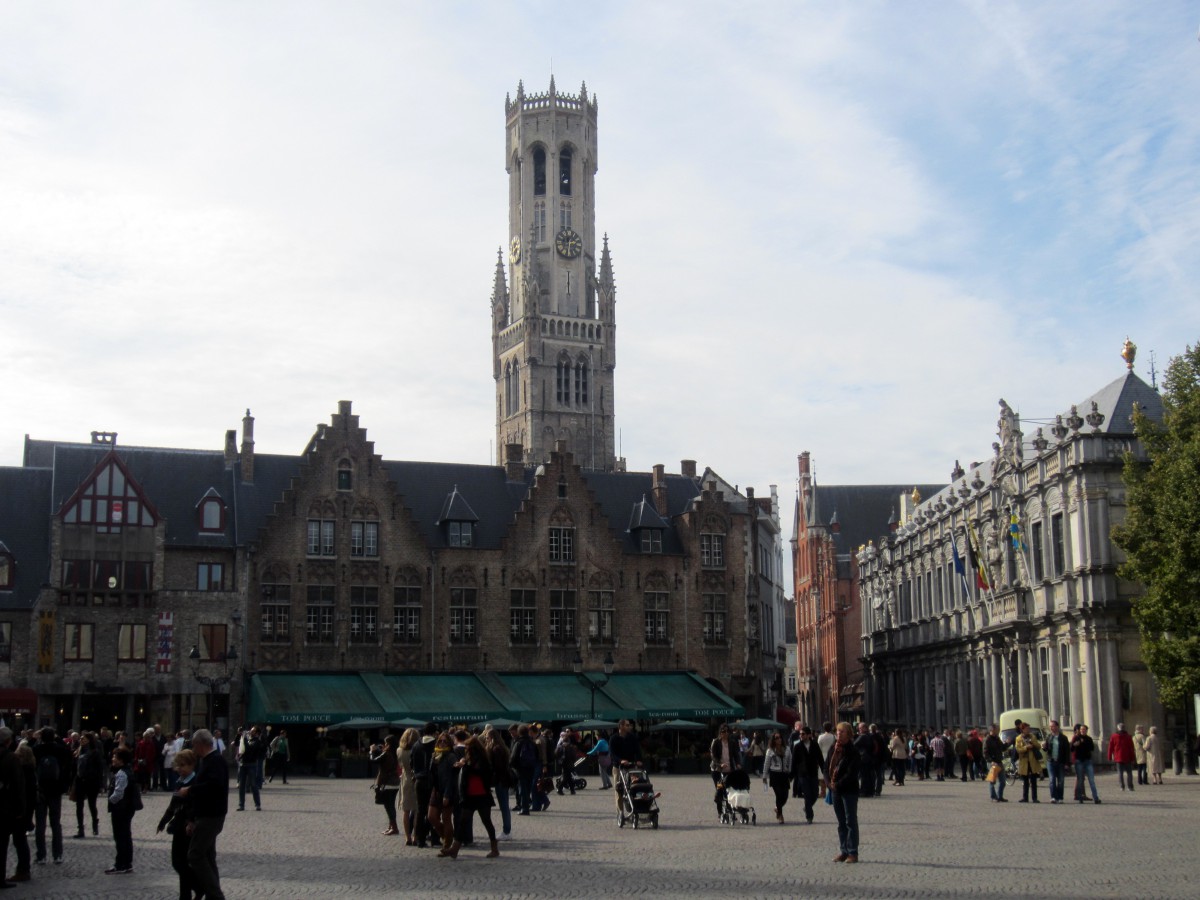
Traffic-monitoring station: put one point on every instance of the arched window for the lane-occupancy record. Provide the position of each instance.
(562, 381)
(564, 172)
(564, 213)
(539, 172)
(345, 476)
(539, 220)
(8, 573)
(581, 383)
(515, 400)
(211, 512)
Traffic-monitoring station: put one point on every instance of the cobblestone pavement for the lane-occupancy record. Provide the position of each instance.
(320, 838)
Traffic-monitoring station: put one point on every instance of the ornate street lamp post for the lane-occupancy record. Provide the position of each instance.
(214, 683)
(593, 684)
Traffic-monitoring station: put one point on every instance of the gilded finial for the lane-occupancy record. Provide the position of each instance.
(1128, 352)
(916, 497)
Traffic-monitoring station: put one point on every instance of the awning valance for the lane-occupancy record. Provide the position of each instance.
(325, 699)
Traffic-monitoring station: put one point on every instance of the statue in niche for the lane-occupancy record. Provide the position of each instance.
(994, 553)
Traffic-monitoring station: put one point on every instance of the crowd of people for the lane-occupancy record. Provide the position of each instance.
(433, 784)
(38, 769)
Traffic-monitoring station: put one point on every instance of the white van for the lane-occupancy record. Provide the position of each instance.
(1038, 719)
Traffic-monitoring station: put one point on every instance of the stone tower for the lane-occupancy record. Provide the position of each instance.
(553, 313)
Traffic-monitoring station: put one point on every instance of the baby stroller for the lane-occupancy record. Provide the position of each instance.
(637, 798)
(733, 799)
(568, 780)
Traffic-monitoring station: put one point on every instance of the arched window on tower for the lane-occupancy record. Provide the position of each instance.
(562, 381)
(539, 220)
(539, 171)
(514, 403)
(564, 213)
(581, 383)
(507, 389)
(564, 172)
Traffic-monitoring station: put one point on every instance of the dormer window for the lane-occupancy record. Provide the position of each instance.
(652, 540)
(460, 534)
(345, 476)
(459, 520)
(8, 569)
(211, 511)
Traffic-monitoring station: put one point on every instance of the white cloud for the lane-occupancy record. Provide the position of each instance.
(844, 229)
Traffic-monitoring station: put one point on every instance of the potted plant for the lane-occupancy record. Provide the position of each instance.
(328, 764)
(354, 765)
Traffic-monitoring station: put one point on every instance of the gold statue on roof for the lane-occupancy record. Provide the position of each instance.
(1128, 352)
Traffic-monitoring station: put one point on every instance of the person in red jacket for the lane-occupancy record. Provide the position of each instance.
(1120, 751)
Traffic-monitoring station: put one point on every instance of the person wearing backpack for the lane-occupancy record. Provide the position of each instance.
(123, 803)
(523, 758)
(55, 772)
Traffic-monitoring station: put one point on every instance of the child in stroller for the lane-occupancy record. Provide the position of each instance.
(637, 797)
(733, 799)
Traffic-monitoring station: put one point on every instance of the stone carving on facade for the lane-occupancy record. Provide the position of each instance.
(1009, 431)
(995, 556)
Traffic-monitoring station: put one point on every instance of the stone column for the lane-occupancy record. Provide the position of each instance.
(1024, 696)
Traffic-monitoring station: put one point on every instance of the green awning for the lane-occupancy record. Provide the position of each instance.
(297, 698)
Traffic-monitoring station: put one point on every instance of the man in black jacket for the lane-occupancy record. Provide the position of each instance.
(12, 800)
(807, 770)
(252, 749)
(209, 795)
(55, 772)
(865, 745)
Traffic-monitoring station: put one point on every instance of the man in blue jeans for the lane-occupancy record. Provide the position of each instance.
(1058, 757)
(1083, 748)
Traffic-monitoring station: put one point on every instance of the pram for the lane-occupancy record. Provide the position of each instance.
(733, 799)
(637, 799)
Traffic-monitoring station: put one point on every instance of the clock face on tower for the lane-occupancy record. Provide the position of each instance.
(568, 243)
(514, 250)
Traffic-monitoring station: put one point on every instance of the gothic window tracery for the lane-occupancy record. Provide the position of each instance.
(539, 172)
(564, 172)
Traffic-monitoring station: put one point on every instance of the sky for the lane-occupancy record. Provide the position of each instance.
(846, 228)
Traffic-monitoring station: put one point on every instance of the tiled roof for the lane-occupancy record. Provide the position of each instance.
(25, 531)
(863, 510)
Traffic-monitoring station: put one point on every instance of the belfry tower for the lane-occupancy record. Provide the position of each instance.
(553, 317)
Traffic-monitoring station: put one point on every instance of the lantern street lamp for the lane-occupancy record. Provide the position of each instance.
(593, 684)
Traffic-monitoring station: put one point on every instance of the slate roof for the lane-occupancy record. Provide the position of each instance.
(25, 531)
(618, 492)
(485, 489)
(863, 510)
(644, 515)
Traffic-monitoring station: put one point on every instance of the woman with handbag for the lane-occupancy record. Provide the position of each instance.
(726, 754)
(176, 819)
(443, 794)
(475, 777)
(89, 780)
(1029, 762)
(777, 772)
(387, 781)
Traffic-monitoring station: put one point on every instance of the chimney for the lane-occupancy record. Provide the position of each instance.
(750, 494)
(248, 448)
(658, 486)
(803, 459)
(230, 447)
(687, 468)
(514, 462)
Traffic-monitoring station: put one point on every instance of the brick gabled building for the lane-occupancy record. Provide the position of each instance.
(338, 560)
(831, 523)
